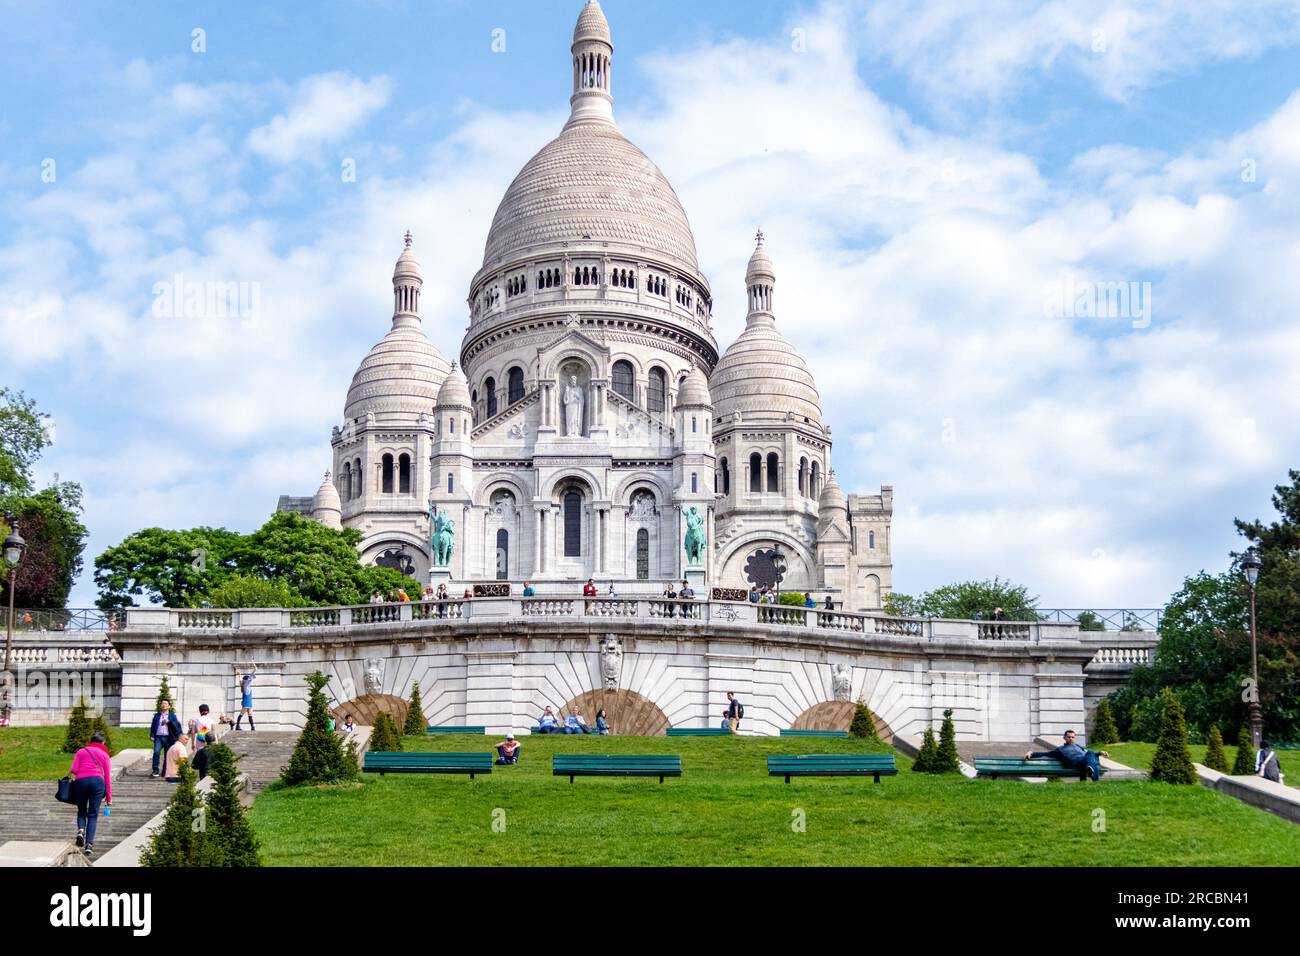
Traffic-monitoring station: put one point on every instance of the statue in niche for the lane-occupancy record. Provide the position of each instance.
(695, 537)
(374, 675)
(611, 661)
(643, 505)
(842, 681)
(573, 400)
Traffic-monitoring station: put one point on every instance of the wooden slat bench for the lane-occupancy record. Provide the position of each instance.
(698, 732)
(831, 765)
(995, 767)
(814, 733)
(382, 762)
(560, 733)
(454, 729)
(616, 765)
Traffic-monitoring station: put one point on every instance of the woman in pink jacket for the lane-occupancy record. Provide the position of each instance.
(92, 773)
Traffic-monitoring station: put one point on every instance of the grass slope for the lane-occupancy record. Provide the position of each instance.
(1139, 755)
(725, 810)
(35, 753)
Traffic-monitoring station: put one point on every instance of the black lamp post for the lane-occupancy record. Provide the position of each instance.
(1250, 566)
(13, 551)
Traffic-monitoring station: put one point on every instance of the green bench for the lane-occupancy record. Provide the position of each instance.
(1020, 767)
(382, 762)
(616, 765)
(814, 733)
(831, 765)
(560, 733)
(452, 729)
(698, 732)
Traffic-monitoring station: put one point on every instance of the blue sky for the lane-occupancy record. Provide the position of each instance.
(928, 175)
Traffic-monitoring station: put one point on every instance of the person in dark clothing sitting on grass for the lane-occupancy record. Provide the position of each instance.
(1075, 756)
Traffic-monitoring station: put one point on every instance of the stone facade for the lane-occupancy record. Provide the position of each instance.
(590, 406)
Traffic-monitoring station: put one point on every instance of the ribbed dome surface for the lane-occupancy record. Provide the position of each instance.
(591, 24)
(455, 391)
(762, 376)
(399, 377)
(326, 497)
(591, 182)
(694, 390)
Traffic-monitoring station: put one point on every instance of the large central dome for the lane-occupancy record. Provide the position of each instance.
(590, 184)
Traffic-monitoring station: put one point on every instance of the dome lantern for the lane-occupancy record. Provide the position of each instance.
(593, 54)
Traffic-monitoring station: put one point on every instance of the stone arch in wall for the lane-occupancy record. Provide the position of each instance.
(629, 714)
(836, 715)
(365, 708)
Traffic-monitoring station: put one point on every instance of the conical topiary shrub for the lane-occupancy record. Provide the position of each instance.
(319, 756)
(384, 736)
(1244, 765)
(1172, 762)
(182, 840)
(1104, 730)
(863, 725)
(1215, 757)
(79, 728)
(228, 827)
(414, 713)
(927, 758)
(946, 759)
(164, 694)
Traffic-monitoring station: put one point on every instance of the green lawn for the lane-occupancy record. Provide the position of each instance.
(725, 811)
(36, 753)
(1139, 755)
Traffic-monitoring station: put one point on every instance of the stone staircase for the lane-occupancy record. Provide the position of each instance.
(262, 754)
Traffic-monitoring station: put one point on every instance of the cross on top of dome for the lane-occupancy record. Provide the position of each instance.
(408, 238)
(757, 238)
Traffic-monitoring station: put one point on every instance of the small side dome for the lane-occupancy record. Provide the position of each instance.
(407, 267)
(832, 496)
(454, 393)
(694, 392)
(592, 25)
(326, 506)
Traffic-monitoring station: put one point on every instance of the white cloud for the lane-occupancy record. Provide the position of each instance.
(325, 109)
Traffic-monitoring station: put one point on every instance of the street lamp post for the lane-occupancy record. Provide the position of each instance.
(13, 550)
(1250, 566)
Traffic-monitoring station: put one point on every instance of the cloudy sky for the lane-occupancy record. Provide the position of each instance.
(944, 187)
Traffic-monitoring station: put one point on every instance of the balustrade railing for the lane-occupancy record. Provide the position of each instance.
(1123, 655)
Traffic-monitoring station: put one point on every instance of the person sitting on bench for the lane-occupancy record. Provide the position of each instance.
(508, 751)
(1074, 756)
(575, 724)
(547, 723)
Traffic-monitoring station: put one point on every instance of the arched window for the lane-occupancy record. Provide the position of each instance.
(756, 472)
(503, 554)
(803, 476)
(572, 525)
(773, 472)
(388, 474)
(726, 478)
(357, 479)
(642, 554)
(515, 385)
(871, 540)
(451, 483)
(813, 482)
(624, 379)
(347, 480)
(695, 483)
(693, 425)
(657, 391)
(490, 389)
(404, 474)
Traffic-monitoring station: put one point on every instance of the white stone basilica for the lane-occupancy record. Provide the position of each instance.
(590, 410)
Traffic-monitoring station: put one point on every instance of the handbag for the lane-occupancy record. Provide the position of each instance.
(64, 793)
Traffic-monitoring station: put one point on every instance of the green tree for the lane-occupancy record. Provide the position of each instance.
(174, 568)
(242, 590)
(1089, 621)
(1215, 757)
(962, 600)
(414, 713)
(164, 694)
(1104, 730)
(948, 761)
(790, 599)
(319, 756)
(228, 826)
(1244, 765)
(182, 840)
(1172, 762)
(384, 735)
(24, 434)
(927, 758)
(863, 725)
(79, 728)
(50, 523)
(99, 725)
